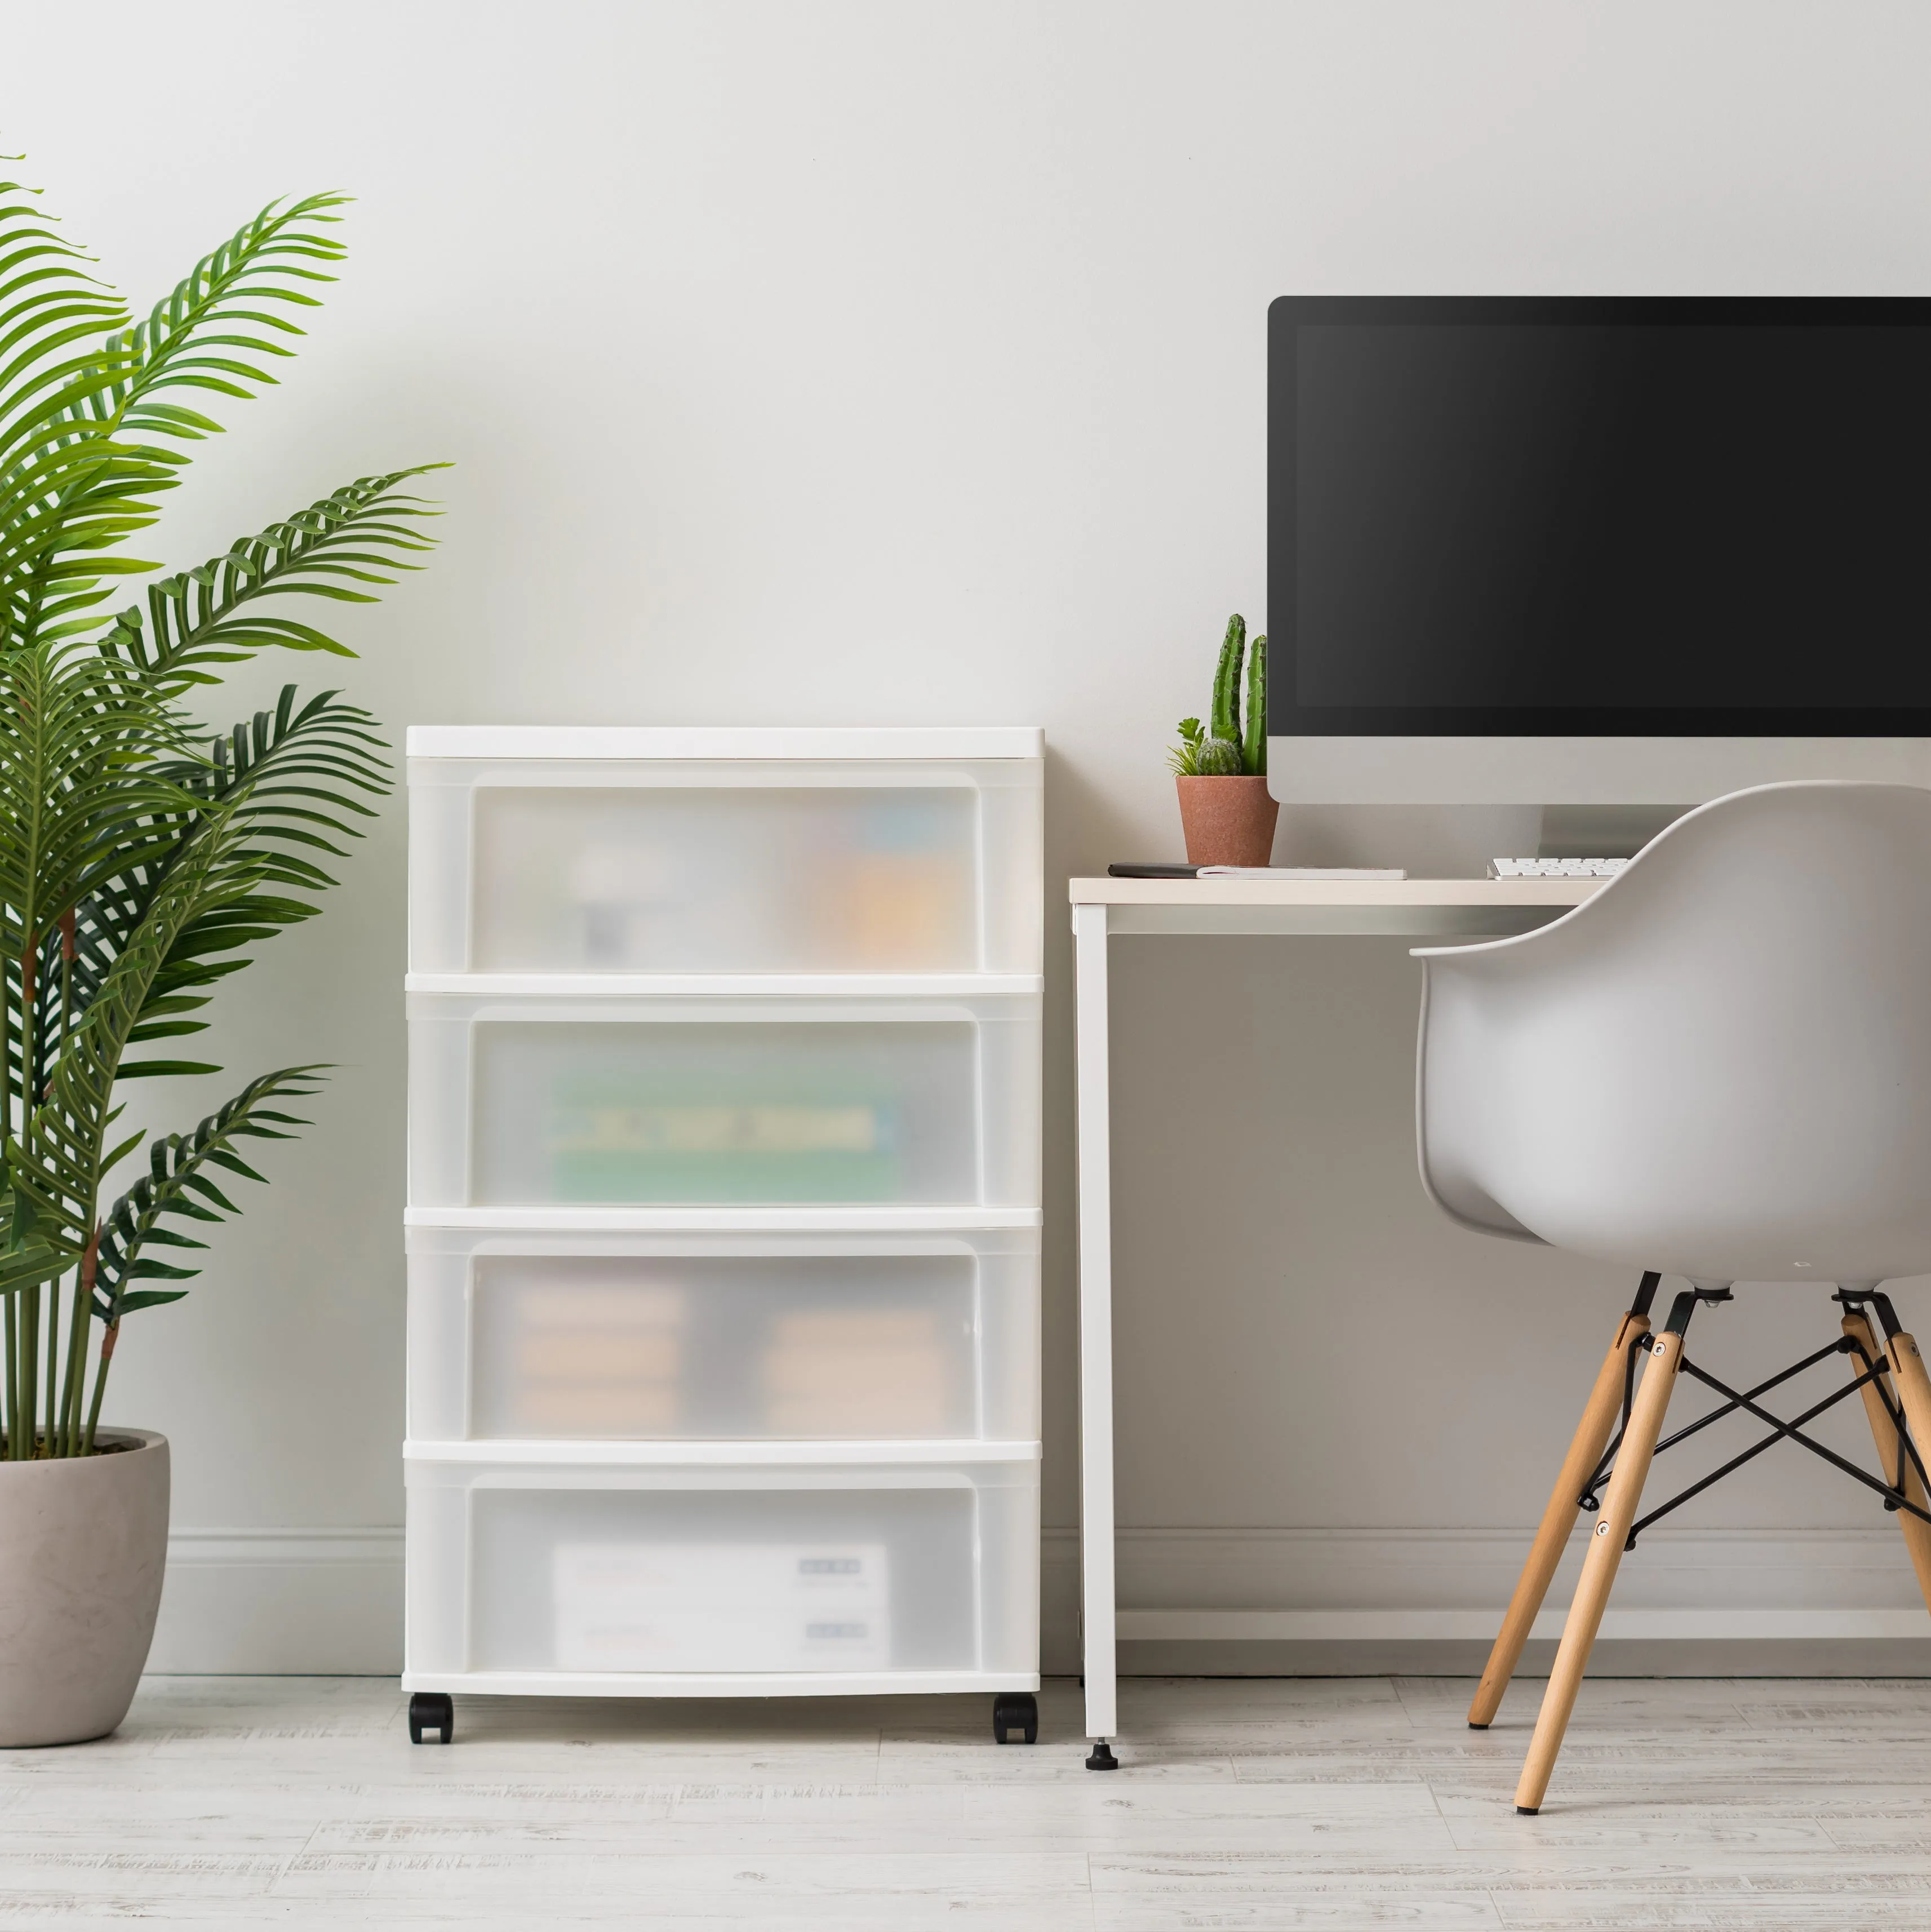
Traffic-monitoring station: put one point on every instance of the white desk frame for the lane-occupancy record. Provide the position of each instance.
(1102, 908)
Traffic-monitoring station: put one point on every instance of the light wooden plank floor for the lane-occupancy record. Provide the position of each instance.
(1249, 1803)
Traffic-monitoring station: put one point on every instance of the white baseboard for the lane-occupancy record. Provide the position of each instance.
(303, 1601)
(1393, 1586)
(281, 1602)
(1464, 1626)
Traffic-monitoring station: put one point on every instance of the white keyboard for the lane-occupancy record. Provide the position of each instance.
(1555, 869)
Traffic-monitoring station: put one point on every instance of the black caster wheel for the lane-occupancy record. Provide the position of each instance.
(432, 1711)
(1015, 1710)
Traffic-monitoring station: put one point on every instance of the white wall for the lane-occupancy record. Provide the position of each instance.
(824, 361)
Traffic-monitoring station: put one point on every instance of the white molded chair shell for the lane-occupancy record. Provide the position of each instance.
(1718, 1067)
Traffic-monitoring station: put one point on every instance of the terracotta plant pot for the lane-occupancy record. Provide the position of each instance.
(1227, 821)
(83, 1545)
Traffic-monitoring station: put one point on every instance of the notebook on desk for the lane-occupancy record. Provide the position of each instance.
(1254, 872)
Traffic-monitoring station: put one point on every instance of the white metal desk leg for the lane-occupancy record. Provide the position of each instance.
(1096, 1334)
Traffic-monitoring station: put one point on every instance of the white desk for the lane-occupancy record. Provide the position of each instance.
(1417, 908)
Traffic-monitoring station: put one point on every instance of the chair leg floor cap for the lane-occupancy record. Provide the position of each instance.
(1527, 1811)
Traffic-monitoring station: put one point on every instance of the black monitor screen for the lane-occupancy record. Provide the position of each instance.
(1614, 516)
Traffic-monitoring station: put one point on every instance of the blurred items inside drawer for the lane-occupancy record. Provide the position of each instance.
(855, 1346)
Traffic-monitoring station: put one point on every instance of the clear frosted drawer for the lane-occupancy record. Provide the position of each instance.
(622, 1572)
(687, 867)
(534, 1102)
(692, 1336)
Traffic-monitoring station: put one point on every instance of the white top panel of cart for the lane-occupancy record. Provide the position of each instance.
(708, 741)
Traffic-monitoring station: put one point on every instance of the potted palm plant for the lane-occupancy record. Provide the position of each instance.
(1227, 813)
(141, 858)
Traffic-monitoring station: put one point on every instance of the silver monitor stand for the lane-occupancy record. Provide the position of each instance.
(1442, 804)
(1572, 771)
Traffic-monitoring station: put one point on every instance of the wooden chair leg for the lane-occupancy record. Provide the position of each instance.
(1558, 1520)
(1917, 1530)
(1619, 1502)
(1914, 1395)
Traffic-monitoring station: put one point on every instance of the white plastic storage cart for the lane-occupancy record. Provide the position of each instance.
(723, 1214)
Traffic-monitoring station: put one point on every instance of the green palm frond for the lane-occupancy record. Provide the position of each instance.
(50, 305)
(28, 1266)
(60, 1155)
(140, 863)
(88, 482)
(293, 781)
(197, 338)
(206, 616)
(94, 496)
(46, 302)
(297, 777)
(178, 1185)
(78, 779)
(28, 1257)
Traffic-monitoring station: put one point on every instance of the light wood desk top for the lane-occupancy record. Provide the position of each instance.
(1333, 892)
(1419, 907)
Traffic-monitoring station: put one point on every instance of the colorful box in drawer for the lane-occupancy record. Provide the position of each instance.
(657, 879)
(826, 857)
(530, 1101)
(790, 1336)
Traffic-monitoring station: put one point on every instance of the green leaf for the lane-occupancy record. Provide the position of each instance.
(150, 1297)
(366, 530)
(76, 805)
(279, 775)
(59, 1153)
(177, 1174)
(38, 1261)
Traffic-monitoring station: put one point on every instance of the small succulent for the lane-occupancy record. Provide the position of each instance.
(1221, 748)
(1198, 756)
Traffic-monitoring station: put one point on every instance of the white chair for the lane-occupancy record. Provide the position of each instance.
(1718, 1068)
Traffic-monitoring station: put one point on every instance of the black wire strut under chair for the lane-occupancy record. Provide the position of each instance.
(1892, 1381)
(1892, 1415)
(1893, 1492)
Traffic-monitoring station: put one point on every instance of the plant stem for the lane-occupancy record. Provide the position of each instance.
(6, 1064)
(17, 1362)
(76, 1347)
(11, 1392)
(30, 1361)
(20, 1445)
(53, 1362)
(99, 1388)
(27, 1391)
(58, 1434)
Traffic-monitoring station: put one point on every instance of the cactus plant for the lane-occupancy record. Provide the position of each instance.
(1224, 720)
(1221, 748)
(1254, 740)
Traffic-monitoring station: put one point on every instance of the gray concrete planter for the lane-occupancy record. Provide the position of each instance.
(83, 1546)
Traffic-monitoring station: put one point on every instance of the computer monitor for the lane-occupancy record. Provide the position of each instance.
(1554, 550)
